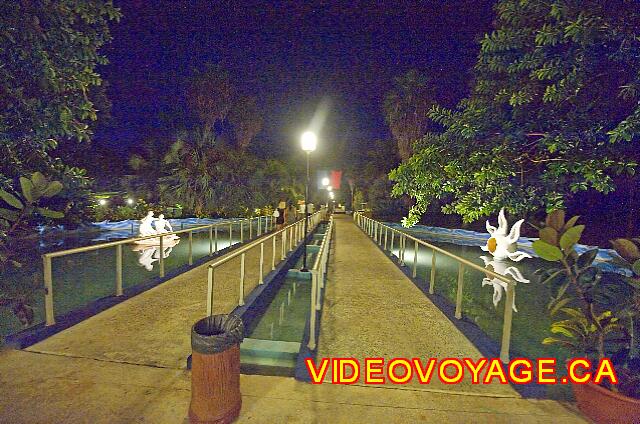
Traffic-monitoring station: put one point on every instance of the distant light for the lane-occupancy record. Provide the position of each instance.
(102, 202)
(325, 181)
(129, 201)
(331, 194)
(309, 141)
(330, 188)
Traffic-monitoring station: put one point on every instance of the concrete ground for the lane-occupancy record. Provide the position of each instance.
(44, 388)
(372, 310)
(126, 364)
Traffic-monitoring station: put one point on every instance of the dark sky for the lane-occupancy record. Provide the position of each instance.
(291, 55)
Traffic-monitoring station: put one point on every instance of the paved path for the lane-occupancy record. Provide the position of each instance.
(46, 389)
(373, 310)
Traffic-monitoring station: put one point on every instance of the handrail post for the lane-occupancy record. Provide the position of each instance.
(386, 236)
(273, 253)
(250, 228)
(261, 281)
(215, 229)
(119, 270)
(230, 234)
(415, 259)
(48, 291)
(393, 232)
(259, 226)
(161, 257)
(210, 279)
(312, 312)
(210, 241)
(283, 244)
(432, 281)
(403, 242)
(242, 231)
(506, 325)
(458, 313)
(291, 238)
(190, 247)
(241, 296)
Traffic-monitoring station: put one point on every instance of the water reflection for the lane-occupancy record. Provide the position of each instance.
(148, 255)
(503, 267)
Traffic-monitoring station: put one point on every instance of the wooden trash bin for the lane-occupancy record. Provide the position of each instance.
(215, 369)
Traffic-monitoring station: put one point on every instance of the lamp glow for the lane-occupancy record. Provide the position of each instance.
(129, 201)
(102, 202)
(325, 181)
(309, 141)
(331, 194)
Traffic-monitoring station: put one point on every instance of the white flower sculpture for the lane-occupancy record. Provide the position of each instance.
(504, 268)
(504, 243)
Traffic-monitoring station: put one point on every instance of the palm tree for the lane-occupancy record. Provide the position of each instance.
(406, 107)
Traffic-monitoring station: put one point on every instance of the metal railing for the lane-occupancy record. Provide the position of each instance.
(290, 236)
(384, 236)
(262, 225)
(318, 279)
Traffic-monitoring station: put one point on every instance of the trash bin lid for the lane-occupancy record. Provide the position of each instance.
(216, 333)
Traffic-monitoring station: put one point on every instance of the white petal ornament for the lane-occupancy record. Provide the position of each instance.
(504, 243)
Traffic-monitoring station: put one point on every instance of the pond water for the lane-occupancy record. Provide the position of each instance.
(84, 277)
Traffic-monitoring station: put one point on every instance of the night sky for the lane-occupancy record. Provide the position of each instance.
(291, 55)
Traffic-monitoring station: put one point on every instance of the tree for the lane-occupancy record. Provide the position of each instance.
(553, 111)
(210, 95)
(246, 119)
(406, 107)
(49, 52)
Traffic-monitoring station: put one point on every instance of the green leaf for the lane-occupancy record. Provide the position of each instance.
(627, 249)
(49, 213)
(570, 223)
(555, 219)
(549, 235)
(636, 267)
(11, 199)
(556, 305)
(27, 188)
(587, 258)
(571, 237)
(52, 189)
(9, 215)
(38, 180)
(547, 251)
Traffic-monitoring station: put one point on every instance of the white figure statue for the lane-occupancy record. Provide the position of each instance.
(504, 268)
(147, 258)
(163, 226)
(504, 243)
(149, 255)
(146, 227)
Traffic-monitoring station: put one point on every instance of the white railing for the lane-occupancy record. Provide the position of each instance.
(262, 225)
(379, 232)
(290, 236)
(318, 279)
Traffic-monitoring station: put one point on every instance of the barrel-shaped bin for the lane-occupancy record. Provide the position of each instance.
(215, 369)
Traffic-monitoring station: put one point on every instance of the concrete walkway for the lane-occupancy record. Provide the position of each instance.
(126, 364)
(372, 310)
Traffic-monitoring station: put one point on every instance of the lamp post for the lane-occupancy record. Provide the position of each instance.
(309, 141)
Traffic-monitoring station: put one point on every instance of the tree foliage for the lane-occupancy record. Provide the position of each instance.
(246, 119)
(553, 111)
(406, 107)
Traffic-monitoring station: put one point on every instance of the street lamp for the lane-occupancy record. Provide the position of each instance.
(308, 141)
